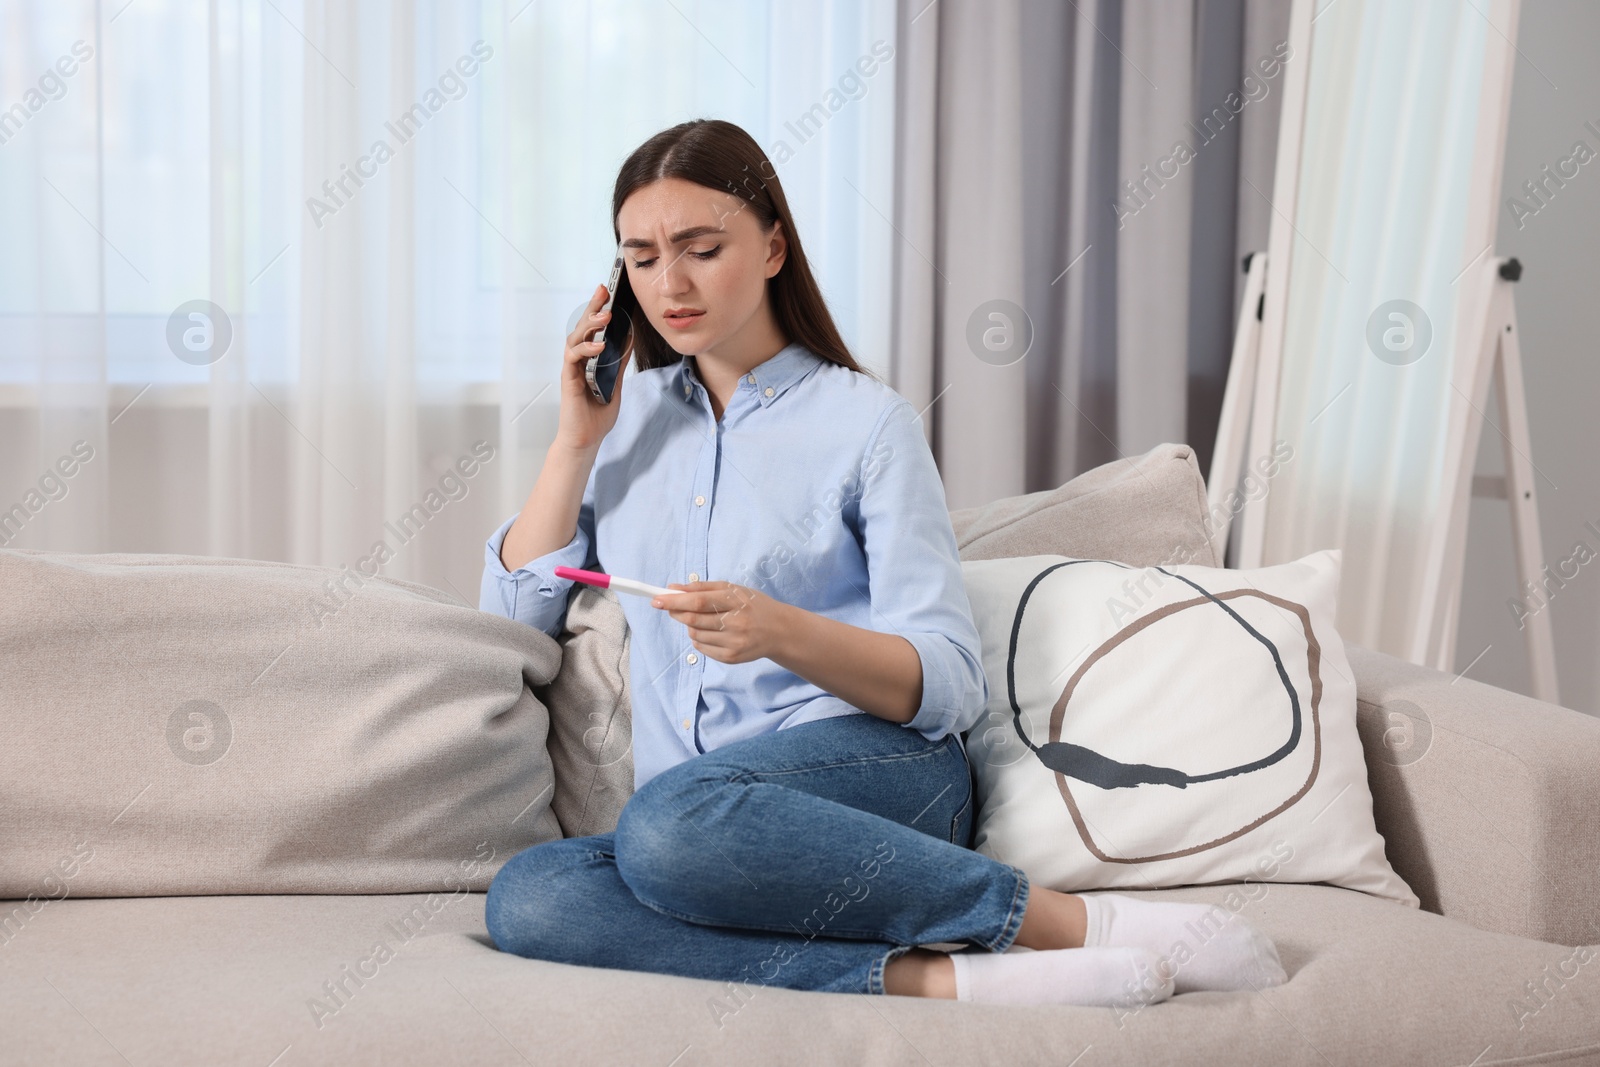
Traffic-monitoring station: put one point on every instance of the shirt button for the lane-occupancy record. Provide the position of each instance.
(686, 390)
(693, 577)
(692, 658)
(751, 379)
(768, 390)
(685, 724)
(699, 501)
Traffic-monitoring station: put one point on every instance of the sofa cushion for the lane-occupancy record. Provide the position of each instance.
(186, 724)
(248, 979)
(1146, 510)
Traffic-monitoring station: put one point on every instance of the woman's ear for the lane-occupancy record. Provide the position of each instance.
(777, 248)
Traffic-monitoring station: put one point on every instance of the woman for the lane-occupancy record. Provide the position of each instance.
(802, 813)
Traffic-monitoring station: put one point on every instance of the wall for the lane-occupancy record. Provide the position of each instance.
(1556, 91)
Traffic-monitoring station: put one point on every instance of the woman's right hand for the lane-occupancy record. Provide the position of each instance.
(585, 421)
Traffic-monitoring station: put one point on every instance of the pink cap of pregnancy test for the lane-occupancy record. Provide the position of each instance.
(587, 577)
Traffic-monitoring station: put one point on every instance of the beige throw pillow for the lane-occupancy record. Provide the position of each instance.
(1144, 510)
(591, 725)
(192, 725)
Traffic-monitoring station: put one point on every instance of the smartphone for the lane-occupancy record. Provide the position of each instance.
(601, 371)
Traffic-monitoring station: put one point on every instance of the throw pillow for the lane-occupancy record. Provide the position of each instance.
(190, 725)
(1170, 725)
(591, 725)
(1144, 510)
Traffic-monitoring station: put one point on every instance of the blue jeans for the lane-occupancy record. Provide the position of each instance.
(806, 858)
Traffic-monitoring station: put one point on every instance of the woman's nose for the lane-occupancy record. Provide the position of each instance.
(673, 277)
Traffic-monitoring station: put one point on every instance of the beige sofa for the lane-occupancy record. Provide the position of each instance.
(233, 904)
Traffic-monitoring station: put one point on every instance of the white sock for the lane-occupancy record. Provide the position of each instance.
(1086, 977)
(1204, 946)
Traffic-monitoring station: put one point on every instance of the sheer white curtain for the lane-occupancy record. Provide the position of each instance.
(391, 211)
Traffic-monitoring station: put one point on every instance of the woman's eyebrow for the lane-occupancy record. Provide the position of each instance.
(682, 235)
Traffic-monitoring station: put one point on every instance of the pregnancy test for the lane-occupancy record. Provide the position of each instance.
(610, 581)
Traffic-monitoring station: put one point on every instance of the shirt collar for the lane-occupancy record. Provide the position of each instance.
(768, 379)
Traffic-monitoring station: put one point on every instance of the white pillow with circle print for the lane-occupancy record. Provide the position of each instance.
(1167, 726)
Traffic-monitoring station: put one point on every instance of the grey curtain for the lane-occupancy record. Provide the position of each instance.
(1041, 191)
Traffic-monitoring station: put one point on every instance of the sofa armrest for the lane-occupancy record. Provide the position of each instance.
(1488, 801)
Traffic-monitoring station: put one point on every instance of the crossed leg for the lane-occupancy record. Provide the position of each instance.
(810, 857)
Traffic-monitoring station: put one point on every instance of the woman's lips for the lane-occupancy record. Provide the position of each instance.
(683, 322)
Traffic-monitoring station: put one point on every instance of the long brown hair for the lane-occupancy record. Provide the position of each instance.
(722, 156)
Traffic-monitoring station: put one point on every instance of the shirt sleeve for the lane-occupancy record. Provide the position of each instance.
(914, 573)
(532, 593)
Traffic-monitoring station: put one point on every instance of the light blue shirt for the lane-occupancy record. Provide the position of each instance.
(817, 488)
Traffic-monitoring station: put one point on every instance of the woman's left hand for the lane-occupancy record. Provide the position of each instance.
(730, 623)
